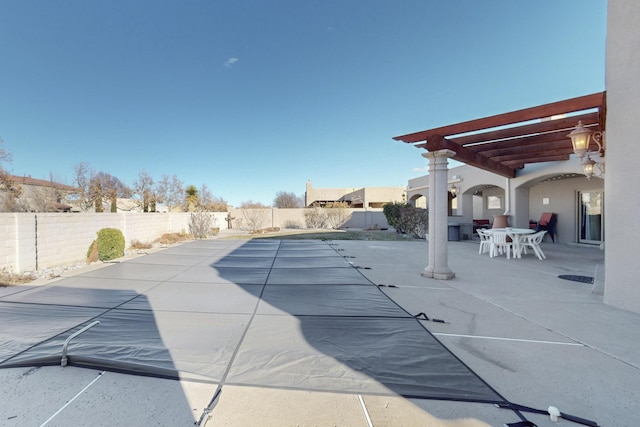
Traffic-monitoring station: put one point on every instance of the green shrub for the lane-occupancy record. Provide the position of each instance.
(110, 244)
(392, 214)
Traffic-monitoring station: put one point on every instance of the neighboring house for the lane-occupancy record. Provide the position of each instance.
(367, 197)
(39, 195)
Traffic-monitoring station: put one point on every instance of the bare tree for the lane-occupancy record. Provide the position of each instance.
(114, 189)
(82, 183)
(143, 190)
(218, 204)
(170, 191)
(210, 203)
(11, 189)
(206, 198)
(287, 200)
(103, 186)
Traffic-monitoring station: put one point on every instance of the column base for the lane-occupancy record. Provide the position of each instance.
(446, 275)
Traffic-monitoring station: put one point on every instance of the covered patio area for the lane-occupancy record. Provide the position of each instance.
(507, 145)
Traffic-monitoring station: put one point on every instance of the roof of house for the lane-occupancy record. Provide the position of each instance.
(27, 180)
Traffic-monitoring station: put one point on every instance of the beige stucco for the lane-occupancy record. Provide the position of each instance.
(523, 198)
(622, 288)
(367, 197)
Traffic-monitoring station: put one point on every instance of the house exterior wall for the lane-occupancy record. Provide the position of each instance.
(562, 197)
(623, 151)
(359, 197)
(522, 197)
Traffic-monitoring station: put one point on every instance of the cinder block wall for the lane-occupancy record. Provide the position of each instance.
(36, 241)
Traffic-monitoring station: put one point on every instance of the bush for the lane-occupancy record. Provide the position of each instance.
(92, 253)
(110, 244)
(290, 223)
(171, 238)
(337, 214)
(137, 244)
(392, 214)
(414, 221)
(314, 217)
(254, 218)
(202, 224)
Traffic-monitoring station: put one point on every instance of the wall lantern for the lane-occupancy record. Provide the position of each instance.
(580, 139)
(591, 167)
(454, 190)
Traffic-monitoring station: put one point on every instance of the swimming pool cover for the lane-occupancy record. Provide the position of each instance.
(268, 313)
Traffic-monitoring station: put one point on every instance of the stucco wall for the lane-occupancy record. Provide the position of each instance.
(622, 177)
(294, 218)
(562, 198)
(528, 193)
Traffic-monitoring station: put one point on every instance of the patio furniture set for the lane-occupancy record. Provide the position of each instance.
(510, 241)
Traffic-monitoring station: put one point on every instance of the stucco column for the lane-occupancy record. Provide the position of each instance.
(438, 215)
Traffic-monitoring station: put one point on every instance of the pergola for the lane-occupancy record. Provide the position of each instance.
(501, 144)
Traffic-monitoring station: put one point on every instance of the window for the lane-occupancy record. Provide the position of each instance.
(494, 202)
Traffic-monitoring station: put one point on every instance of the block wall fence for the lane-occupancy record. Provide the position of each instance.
(35, 241)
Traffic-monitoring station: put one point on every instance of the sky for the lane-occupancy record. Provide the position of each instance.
(254, 97)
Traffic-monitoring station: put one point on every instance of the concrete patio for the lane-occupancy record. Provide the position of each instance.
(536, 339)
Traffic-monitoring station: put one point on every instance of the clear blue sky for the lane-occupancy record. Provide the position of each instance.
(252, 97)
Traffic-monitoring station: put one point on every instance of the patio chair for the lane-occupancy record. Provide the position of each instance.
(548, 222)
(485, 240)
(533, 241)
(500, 243)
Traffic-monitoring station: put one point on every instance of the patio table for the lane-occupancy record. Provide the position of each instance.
(514, 234)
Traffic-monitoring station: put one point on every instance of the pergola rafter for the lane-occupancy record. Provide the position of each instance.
(504, 143)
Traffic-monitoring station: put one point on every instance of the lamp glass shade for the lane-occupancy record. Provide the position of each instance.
(587, 167)
(580, 139)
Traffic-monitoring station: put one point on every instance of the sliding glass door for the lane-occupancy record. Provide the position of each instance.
(591, 221)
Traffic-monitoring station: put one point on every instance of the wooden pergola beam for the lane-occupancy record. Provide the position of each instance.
(547, 110)
(437, 142)
(563, 124)
(506, 142)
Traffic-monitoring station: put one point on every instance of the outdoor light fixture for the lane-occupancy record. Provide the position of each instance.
(580, 139)
(591, 167)
(454, 190)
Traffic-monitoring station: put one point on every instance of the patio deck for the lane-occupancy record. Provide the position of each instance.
(536, 339)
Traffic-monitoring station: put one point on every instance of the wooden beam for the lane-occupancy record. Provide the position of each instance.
(518, 164)
(437, 142)
(547, 110)
(563, 124)
(542, 141)
(530, 157)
